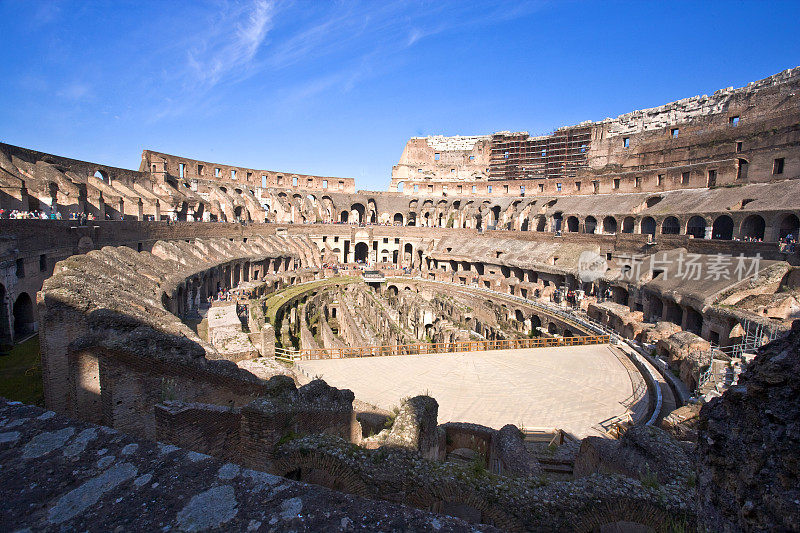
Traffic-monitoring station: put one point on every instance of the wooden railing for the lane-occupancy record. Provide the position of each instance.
(441, 347)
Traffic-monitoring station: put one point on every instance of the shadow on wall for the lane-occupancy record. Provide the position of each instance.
(110, 368)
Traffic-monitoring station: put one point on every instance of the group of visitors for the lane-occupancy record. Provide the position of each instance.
(788, 244)
(18, 214)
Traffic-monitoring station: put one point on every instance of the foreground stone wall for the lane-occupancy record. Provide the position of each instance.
(748, 441)
(90, 478)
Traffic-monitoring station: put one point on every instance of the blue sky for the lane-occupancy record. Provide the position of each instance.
(337, 88)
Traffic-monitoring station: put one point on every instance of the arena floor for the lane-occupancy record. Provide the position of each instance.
(571, 388)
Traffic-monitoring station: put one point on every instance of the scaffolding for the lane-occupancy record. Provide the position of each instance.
(725, 364)
(520, 156)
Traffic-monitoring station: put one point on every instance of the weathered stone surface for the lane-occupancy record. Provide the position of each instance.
(415, 426)
(644, 453)
(470, 491)
(682, 422)
(146, 486)
(749, 444)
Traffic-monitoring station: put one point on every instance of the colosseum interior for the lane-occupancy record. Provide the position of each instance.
(579, 331)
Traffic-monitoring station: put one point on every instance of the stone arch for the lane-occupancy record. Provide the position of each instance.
(589, 224)
(320, 469)
(361, 252)
(789, 224)
(753, 227)
(670, 226)
(616, 514)
(24, 319)
(453, 499)
(609, 225)
(648, 226)
(722, 228)
(573, 224)
(398, 219)
(541, 223)
(696, 227)
(344, 217)
(357, 213)
(558, 219)
(102, 175)
(628, 224)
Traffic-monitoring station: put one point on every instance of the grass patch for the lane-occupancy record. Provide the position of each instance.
(21, 373)
(274, 302)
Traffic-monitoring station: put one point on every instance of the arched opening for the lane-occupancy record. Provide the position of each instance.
(398, 219)
(648, 226)
(610, 225)
(694, 321)
(619, 295)
(696, 227)
(722, 228)
(391, 292)
(541, 223)
(628, 224)
(357, 213)
(670, 226)
(495, 216)
(552, 329)
(361, 252)
(558, 219)
(400, 186)
(344, 217)
(656, 308)
(411, 219)
(24, 322)
(237, 212)
(590, 224)
(753, 227)
(572, 224)
(536, 323)
(790, 225)
(101, 175)
(519, 316)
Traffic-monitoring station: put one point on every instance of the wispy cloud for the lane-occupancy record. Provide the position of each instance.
(224, 51)
(311, 51)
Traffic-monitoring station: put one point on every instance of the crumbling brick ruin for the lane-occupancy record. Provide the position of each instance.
(177, 303)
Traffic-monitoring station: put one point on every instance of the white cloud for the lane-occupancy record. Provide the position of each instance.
(234, 37)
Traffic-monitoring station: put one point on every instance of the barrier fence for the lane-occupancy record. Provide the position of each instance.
(439, 347)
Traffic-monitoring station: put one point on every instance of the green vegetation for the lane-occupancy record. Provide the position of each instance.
(649, 478)
(21, 373)
(278, 299)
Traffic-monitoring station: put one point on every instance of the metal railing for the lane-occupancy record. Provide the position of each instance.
(438, 347)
